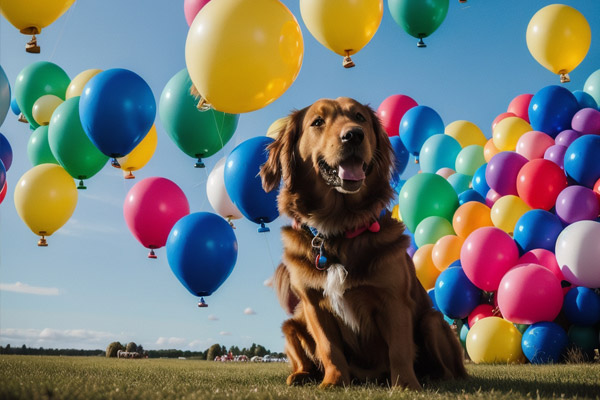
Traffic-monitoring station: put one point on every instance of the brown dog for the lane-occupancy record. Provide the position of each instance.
(359, 312)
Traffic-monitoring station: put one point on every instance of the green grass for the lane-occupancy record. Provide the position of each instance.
(46, 377)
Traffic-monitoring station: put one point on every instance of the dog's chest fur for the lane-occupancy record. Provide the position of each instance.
(335, 286)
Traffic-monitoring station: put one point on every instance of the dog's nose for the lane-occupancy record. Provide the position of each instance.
(354, 135)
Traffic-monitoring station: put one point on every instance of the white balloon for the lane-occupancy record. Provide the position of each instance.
(578, 253)
(217, 194)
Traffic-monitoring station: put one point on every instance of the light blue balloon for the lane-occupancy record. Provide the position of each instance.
(438, 151)
(585, 100)
(417, 125)
(592, 86)
(4, 95)
(460, 182)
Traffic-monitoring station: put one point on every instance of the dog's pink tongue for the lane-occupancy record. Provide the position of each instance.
(351, 171)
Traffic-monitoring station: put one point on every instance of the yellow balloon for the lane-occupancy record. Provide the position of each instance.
(140, 155)
(276, 127)
(559, 37)
(45, 198)
(426, 271)
(30, 16)
(76, 86)
(494, 340)
(396, 213)
(243, 54)
(466, 133)
(44, 107)
(343, 26)
(506, 211)
(508, 131)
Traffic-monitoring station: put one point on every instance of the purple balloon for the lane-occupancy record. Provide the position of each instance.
(502, 171)
(556, 154)
(577, 203)
(566, 137)
(587, 121)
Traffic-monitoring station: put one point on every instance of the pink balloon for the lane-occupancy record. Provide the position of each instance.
(445, 172)
(152, 206)
(391, 111)
(530, 294)
(491, 197)
(556, 154)
(486, 255)
(533, 144)
(520, 106)
(191, 8)
(566, 137)
(502, 171)
(587, 121)
(545, 258)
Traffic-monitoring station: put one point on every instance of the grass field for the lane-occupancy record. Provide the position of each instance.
(47, 377)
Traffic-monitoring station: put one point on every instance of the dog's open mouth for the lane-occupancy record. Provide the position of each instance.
(347, 177)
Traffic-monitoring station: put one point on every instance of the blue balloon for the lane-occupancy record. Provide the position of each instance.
(2, 175)
(4, 95)
(455, 294)
(6, 154)
(14, 106)
(460, 182)
(581, 160)
(417, 125)
(243, 183)
(456, 264)
(479, 183)
(117, 109)
(585, 99)
(202, 251)
(537, 229)
(544, 342)
(438, 151)
(431, 293)
(401, 159)
(582, 306)
(470, 195)
(551, 110)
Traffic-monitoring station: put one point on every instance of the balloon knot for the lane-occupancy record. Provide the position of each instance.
(230, 221)
(263, 228)
(421, 43)
(199, 163)
(564, 78)
(42, 242)
(23, 118)
(32, 46)
(81, 185)
(129, 176)
(202, 303)
(348, 63)
(152, 254)
(115, 163)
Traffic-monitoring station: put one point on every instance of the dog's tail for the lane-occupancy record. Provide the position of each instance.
(283, 289)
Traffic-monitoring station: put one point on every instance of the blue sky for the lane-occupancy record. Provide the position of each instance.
(94, 284)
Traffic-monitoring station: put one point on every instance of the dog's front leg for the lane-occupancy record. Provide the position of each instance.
(324, 329)
(396, 324)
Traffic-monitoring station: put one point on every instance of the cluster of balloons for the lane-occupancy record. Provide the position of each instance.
(506, 230)
(5, 148)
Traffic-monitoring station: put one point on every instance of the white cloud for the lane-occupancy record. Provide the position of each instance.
(172, 341)
(268, 282)
(201, 344)
(249, 311)
(225, 333)
(107, 199)
(53, 338)
(74, 227)
(20, 287)
(213, 317)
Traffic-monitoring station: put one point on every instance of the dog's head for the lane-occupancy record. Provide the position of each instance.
(333, 157)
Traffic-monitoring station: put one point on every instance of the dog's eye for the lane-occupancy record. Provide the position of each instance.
(360, 117)
(318, 122)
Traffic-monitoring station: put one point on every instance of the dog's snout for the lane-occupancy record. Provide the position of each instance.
(354, 135)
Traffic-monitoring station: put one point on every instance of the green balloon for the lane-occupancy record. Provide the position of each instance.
(197, 133)
(38, 149)
(584, 338)
(70, 145)
(419, 18)
(431, 229)
(469, 159)
(37, 80)
(425, 195)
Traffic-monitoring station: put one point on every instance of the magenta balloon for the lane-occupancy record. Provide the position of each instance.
(152, 206)
(586, 121)
(191, 8)
(545, 258)
(577, 203)
(566, 137)
(556, 154)
(502, 171)
(528, 294)
(391, 111)
(486, 255)
(491, 197)
(533, 144)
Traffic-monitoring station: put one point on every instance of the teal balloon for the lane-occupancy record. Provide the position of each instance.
(70, 145)
(592, 86)
(198, 134)
(469, 159)
(425, 195)
(431, 229)
(37, 80)
(419, 18)
(438, 151)
(38, 149)
(460, 182)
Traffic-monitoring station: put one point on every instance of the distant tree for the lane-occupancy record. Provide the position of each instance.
(140, 349)
(260, 351)
(113, 348)
(131, 347)
(235, 350)
(213, 351)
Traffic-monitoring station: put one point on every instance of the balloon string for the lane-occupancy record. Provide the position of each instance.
(269, 251)
(62, 29)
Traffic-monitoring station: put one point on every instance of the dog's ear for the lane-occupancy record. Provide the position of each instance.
(281, 153)
(385, 158)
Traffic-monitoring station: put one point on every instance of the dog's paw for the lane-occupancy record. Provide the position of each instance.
(299, 379)
(334, 378)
